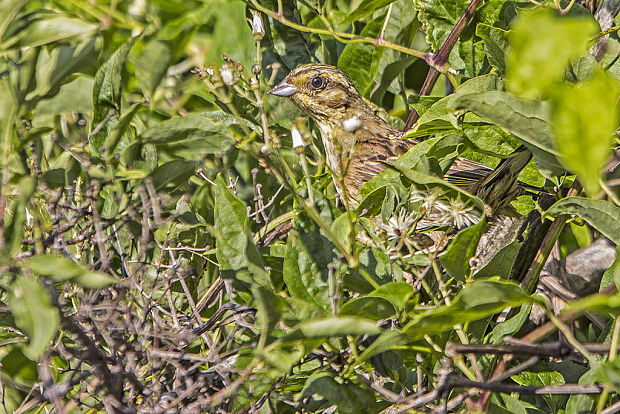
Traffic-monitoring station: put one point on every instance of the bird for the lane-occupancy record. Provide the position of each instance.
(359, 144)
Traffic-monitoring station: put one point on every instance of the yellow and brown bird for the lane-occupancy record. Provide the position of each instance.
(359, 144)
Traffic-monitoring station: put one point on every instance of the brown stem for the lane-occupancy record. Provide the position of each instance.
(439, 59)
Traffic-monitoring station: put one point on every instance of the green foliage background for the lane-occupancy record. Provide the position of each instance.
(147, 260)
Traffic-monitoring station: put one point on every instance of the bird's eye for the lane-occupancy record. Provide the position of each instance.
(318, 82)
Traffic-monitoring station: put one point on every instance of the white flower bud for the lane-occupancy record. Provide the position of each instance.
(352, 124)
(298, 140)
(258, 30)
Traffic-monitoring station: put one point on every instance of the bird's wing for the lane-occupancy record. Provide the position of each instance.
(377, 152)
(464, 173)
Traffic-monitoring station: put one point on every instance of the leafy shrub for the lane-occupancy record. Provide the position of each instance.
(164, 247)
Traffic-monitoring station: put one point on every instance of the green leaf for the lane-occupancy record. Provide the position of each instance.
(438, 18)
(54, 178)
(541, 376)
(348, 397)
(342, 227)
(541, 44)
(583, 119)
(236, 250)
(61, 269)
(269, 309)
(387, 340)
(477, 300)
(495, 43)
(48, 27)
(364, 8)
(583, 403)
(308, 254)
(612, 275)
(527, 120)
(8, 11)
(152, 65)
(173, 173)
(368, 307)
(456, 259)
(14, 224)
(382, 303)
(333, 326)
(510, 326)
(118, 130)
(190, 136)
(600, 214)
(281, 43)
(30, 305)
(107, 93)
(55, 66)
(361, 60)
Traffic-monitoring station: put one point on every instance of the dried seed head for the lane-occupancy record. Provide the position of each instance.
(229, 76)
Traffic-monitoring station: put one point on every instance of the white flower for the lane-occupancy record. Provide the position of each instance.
(352, 124)
(398, 227)
(439, 210)
(461, 214)
(229, 77)
(298, 140)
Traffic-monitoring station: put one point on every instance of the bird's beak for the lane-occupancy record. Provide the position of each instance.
(283, 89)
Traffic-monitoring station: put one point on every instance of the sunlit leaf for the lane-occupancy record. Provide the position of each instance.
(541, 45)
(583, 119)
(602, 215)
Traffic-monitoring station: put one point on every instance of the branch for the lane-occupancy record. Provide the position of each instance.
(346, 38)
(438, 61)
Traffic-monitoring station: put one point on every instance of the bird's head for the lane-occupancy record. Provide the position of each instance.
(322, 91)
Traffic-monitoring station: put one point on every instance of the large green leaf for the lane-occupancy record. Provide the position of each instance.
(305, 273)
(190, 136)
(541, 44)
(236, 250)
(172, 174)
(583, 119)
(333, 326)
(527, 120)
(477, 300)
(55, 66)
(61, 269)
(600, 214)
(30, 305)
(281, 43)
(45, 27)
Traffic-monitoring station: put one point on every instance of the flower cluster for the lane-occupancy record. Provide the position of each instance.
(428, 208)
(440, 210)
